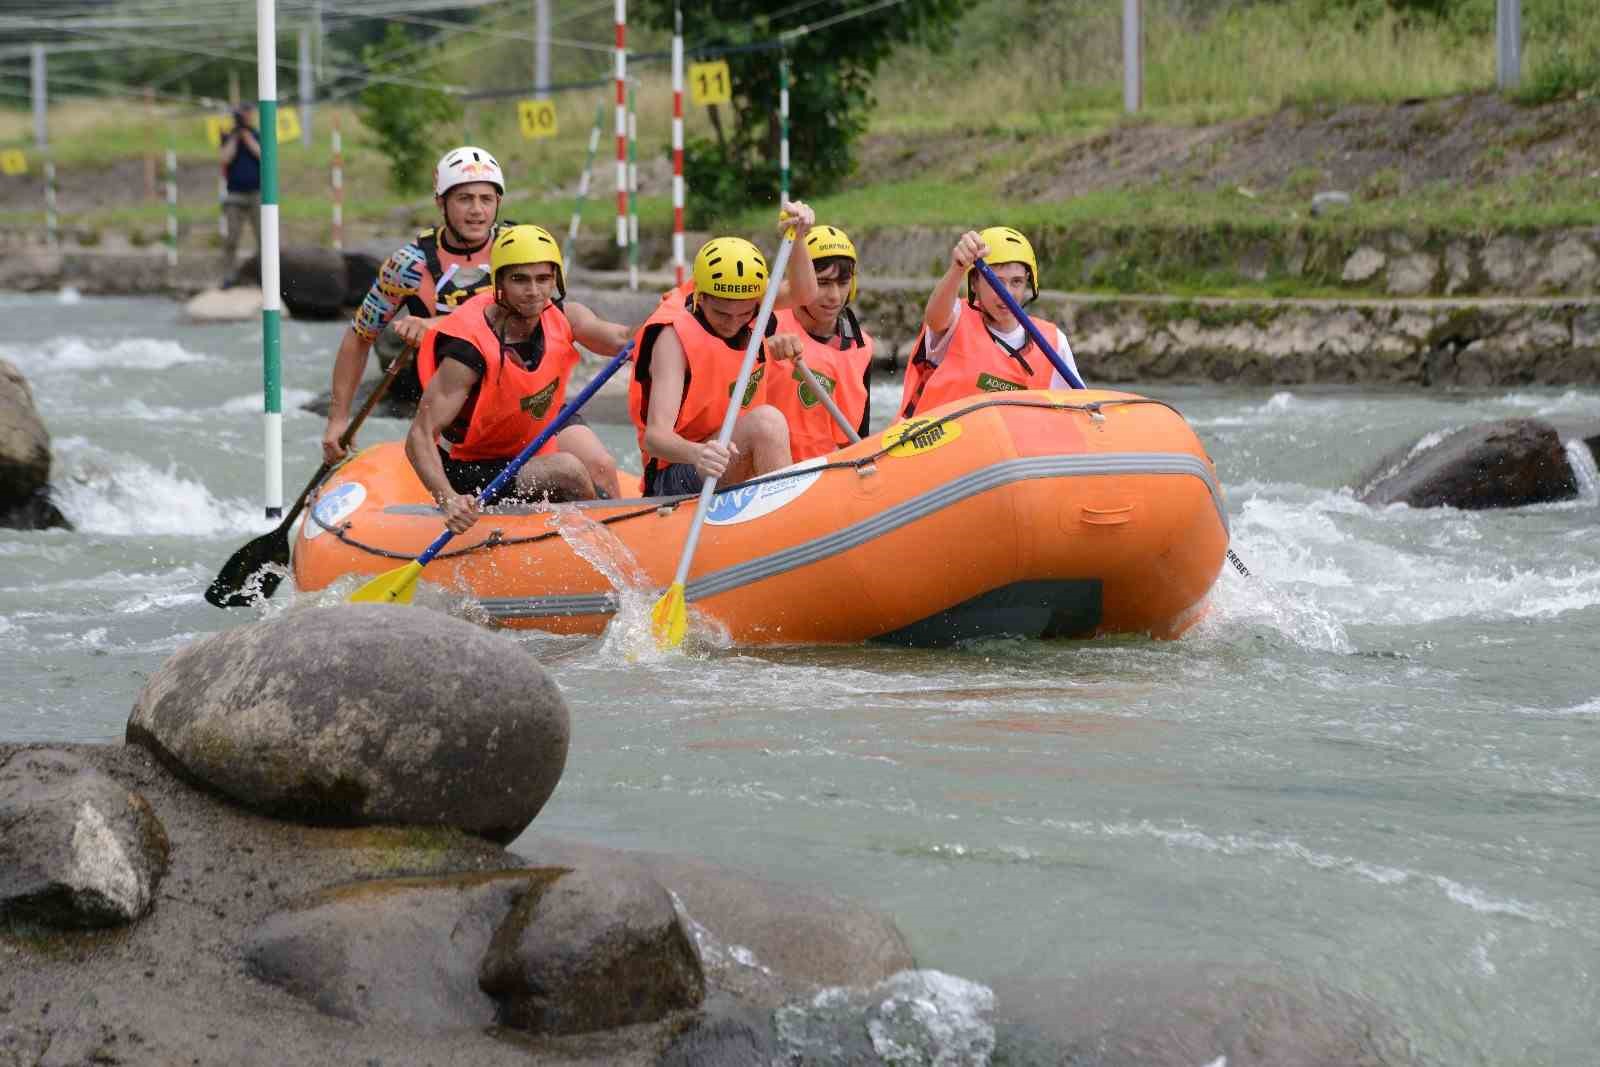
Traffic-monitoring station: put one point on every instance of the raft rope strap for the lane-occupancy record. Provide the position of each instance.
(497, 540)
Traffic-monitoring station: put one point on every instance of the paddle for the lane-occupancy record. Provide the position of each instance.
(397, 586)
(827, 400)
(670, 616)
(999, 287)
(228, 588)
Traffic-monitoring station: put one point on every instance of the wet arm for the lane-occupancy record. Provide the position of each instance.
(441, 402)
(667, 370)
(349, 364)
(799, 286)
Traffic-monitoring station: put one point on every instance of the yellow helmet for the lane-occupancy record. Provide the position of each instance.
(527, 244)
(823, 242)
(731, 268)
(1006, 246)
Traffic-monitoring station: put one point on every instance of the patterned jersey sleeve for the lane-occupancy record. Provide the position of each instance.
(400, 279)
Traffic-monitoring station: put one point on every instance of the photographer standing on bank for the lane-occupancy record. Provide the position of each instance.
(241, 166)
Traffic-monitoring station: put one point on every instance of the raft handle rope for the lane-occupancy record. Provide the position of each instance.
(495, 540)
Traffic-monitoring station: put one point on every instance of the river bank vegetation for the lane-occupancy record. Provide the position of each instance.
(1251, 109)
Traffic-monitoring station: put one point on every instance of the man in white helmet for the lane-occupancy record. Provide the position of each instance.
(429, 278)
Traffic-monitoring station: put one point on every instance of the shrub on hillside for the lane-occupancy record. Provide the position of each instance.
(405, 111)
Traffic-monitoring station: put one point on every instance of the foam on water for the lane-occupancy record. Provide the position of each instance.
(1571, 402)
(255, 403)
(1243, 845)
(1332, 561)
(69, 295)
(104, 492)
(70, 355)
(923, 1017)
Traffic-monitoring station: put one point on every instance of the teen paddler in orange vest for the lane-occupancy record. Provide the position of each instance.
(687, 357)
(494, 374)
(836, 350)
(429, 278)
(979, 346)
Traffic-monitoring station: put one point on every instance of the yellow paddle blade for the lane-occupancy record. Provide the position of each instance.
(669, 619)
(390, 587)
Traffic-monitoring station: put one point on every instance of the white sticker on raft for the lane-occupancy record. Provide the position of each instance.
(753, 501)
(337, 505)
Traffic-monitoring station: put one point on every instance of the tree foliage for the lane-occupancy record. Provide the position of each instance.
(406, 114)
(831, 71)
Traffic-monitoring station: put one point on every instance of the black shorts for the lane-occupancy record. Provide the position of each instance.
(675, 479)
(471, 475)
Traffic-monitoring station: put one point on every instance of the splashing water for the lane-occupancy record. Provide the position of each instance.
(629, 634)
(912, 1018)
(68, 355)
(1584, 470)
(109, 493)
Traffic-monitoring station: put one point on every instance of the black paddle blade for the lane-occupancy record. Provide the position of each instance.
(242, 580)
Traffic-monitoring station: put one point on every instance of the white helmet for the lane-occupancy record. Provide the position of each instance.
(467, 164)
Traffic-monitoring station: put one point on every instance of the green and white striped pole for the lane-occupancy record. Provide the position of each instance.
(271, 299)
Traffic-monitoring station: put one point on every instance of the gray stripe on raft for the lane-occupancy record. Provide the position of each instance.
(902, 514)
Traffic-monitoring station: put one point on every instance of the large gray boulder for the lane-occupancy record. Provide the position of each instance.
(398, 952)
(593, 949)
(1504, 464)
(764, 941)
(24, 457)
(318, 283)
(362, 714)
(77, 849)
(1180, 1014)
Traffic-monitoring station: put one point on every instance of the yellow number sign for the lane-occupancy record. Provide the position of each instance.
(13, 161)
(288, 125)
(215, 128)
(537, 118)
(710, 83)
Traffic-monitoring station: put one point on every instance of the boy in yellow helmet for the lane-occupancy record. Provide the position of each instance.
(837, 351)
(979, 346)
(686, 360)
(494, 373)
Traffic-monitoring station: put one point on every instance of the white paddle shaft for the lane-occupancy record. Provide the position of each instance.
(758, 330)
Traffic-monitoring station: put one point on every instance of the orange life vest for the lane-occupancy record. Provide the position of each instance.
(712, 369)
(840, 364)
(974, 362)
(510, 404)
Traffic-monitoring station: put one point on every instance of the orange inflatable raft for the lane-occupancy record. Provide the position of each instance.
(1040, 514)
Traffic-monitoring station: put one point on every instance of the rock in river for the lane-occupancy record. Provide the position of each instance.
(1503, 464)
(362, 714)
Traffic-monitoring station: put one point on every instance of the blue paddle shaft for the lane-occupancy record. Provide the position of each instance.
(489, 492)
(1027, 324)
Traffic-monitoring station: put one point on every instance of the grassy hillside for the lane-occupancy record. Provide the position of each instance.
(1250, 109)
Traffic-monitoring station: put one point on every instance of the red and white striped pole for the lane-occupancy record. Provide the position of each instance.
(336, 179)
(677, 145)
(622, 125)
